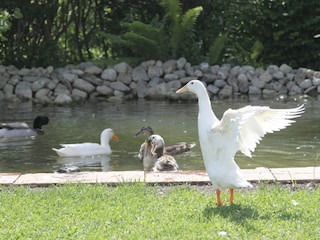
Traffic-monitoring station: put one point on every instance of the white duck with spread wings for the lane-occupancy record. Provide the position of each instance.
(238, 130)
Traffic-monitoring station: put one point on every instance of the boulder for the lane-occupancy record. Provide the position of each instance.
(139, 73)
(24, 90)
(83, 85)
(109, 74)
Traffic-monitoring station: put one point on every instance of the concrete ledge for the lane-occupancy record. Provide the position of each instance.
(192, 177)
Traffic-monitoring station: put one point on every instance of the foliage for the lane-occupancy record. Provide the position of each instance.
(216, 49)
(166, 38)
(5, 22)
(137, 211)
(284, 30)
(255, 32)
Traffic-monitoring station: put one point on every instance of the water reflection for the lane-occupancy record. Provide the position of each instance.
(296, 146)
(98, 162)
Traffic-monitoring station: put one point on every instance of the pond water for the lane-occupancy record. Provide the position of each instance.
(296, 146)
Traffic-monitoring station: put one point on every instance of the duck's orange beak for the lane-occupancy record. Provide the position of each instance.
(115, 138)
(183, 89)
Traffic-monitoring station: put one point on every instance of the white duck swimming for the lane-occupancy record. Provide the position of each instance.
(164, 161)
(171, 149)
(21, 129)
(87, 148)
(239, 129)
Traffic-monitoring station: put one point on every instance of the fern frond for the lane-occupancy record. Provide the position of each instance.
(189, 18)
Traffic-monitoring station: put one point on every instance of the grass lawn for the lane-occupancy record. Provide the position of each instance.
(139, 211)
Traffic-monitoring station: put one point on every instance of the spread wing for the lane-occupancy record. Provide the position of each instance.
(249, 124)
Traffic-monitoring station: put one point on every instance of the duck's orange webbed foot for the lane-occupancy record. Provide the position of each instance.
(219, 203)
(231, 196)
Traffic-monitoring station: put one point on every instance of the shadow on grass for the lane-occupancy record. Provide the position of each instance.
(234, 212)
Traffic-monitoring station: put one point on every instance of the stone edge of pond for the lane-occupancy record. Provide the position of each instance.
(197, 177)
(152, 79)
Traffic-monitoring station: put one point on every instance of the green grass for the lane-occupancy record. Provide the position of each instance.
(138, 211)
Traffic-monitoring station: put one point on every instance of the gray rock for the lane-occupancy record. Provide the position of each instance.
(61, 89)
(299, 76)
(3, 69)
(104, 90)
(121, 67)
(278, 75)
(139, 73)
(119, 86)
(170, 77)
(42, 93)
(315, 81)
(52, 84)
(30, 79)
(147, 64)
(204, 67)
(268, 92)
(92, 79)
(190, 71)
(157, 92)
(285, 68)
(3, 81)
(63, 99)
(307, 83)
(243, 83)
(316, 74)
(266, 77)
(180, 73)
(70, 77)
(276, 86)
(79, 95)
(213, 89)
(173, 85)
(124, 78)
(169, 66)
(83, 85)
(12, 70)
(181, 62)
(258, 82)
(14, 80)
(23, 90)
(220, 83)
(223, 74)
(253, 90)
(155, 81)
(233, 82)
(197, 73)
(226, 91)
(109, 74)
(8, 90)
(118, 93)
(41, 83)
(209, 78)
(95, 70)
(24, 71)
(272, 69)
(155, 71)
(142, 89)
(77, 71)
(295, 90)
(235, 71)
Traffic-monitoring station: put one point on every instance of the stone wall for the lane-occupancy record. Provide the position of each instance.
(151, 80)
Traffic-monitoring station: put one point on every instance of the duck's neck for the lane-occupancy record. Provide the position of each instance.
(205, 108)
(104, 141)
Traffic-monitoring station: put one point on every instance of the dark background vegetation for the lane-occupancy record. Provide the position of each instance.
(255, 32)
